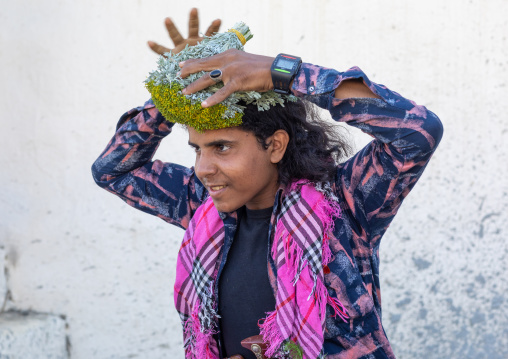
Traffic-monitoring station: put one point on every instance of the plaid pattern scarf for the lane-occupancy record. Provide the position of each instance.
(300, 250)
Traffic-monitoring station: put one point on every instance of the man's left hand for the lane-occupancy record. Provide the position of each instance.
(178, 40)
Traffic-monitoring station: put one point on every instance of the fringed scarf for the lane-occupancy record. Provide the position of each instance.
(300, 250)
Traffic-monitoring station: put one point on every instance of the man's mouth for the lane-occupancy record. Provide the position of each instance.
(216, 188)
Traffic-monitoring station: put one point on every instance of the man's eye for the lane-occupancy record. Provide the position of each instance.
(223, 148)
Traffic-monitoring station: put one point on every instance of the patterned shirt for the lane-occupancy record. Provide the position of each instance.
(370, 188)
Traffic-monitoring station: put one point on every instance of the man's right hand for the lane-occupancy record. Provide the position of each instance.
(178, 39)
(241, 71)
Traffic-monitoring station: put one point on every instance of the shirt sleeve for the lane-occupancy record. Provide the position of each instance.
(373, 183)
(125, 168)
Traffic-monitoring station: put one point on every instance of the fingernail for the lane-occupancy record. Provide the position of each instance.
(184, 91)
(178, 73)
(204, 104)
(181, 63)
(150, 43)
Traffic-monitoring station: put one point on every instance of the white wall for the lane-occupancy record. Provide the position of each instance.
(69, 69)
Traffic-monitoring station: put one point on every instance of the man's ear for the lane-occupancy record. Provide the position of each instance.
(278, 145)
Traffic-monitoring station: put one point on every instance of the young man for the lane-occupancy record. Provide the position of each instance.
(280, 239)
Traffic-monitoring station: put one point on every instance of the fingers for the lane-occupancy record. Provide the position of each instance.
(193, 23)
(205, 81)
(219, 96)
(158, 48)
(206, 64)
(213, 28)
(173, 32)
(200, 84)
(196, 65)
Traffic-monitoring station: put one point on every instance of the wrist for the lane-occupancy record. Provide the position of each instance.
(265, 63)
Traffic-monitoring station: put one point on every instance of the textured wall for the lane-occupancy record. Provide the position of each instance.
(69, 69)
(32, 336)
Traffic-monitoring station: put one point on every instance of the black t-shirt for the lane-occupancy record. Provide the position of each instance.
(245, 294)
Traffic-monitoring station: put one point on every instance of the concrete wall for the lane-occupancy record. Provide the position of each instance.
(32, 336)
(69, 69)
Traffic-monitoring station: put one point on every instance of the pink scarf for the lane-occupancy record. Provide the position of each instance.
(300, 251)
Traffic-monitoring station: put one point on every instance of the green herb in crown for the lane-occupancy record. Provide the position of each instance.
(165, 86)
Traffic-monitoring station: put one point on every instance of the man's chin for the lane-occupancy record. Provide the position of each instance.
(225, 207)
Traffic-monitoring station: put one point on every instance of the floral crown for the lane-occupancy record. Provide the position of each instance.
(165, 86)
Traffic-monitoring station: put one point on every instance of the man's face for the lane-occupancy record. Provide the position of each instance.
(234, 168)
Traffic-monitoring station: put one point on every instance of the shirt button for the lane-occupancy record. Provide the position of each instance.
(311, 88)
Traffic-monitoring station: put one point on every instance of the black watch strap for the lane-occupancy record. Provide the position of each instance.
(284, 69)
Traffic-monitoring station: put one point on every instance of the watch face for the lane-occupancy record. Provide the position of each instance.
(284, 63)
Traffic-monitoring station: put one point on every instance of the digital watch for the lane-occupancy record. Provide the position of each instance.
(284, 69)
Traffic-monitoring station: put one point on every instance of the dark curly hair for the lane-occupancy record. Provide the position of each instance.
(315, 146)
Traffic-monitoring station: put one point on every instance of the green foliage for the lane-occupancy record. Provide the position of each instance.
(293, 350)
(165, 87)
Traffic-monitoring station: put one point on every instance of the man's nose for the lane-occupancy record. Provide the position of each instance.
(204, 166)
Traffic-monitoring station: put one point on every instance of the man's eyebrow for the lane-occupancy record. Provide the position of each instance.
(213, 143)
